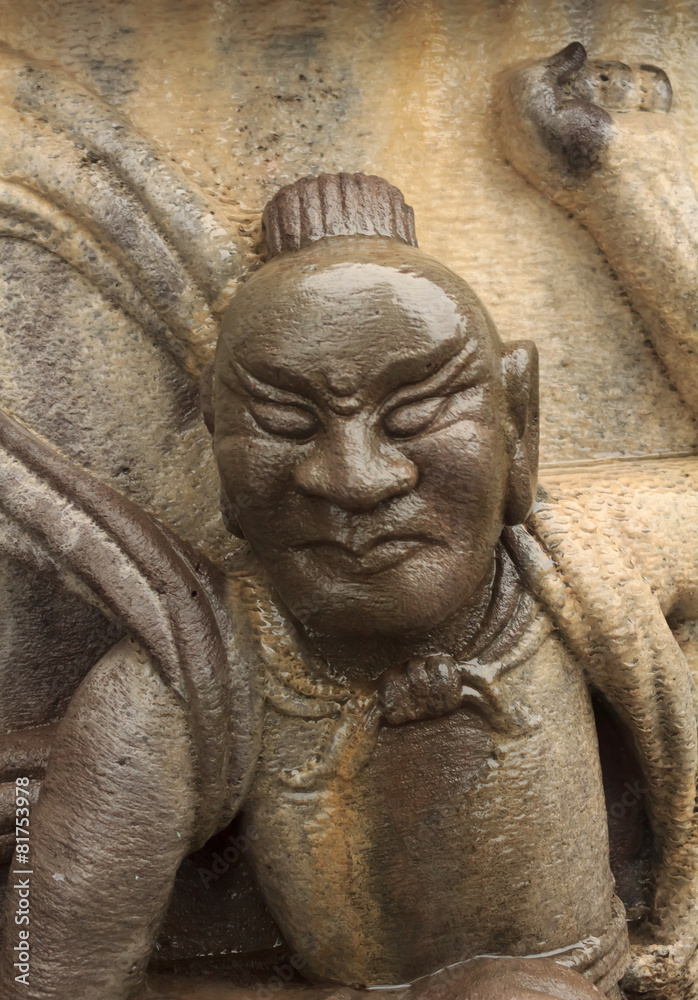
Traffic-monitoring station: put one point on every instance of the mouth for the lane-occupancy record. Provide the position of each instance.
(374, 556)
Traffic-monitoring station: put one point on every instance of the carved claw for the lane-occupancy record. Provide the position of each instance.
(570, 127)
(558, 114)
(567, 61)
(618, 87)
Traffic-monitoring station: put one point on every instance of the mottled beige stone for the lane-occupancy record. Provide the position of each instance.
(247, 96)
(116, 270)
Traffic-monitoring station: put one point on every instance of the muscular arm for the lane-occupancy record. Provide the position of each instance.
(597, 140)
(115, 817)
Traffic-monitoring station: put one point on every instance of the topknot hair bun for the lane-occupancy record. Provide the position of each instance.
(336, 205)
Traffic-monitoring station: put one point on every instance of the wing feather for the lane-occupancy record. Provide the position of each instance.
(77, 178)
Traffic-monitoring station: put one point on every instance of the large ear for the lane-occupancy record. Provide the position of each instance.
(520, 374)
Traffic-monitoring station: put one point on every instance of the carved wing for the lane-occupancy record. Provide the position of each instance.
(78, 180)
(115, 270)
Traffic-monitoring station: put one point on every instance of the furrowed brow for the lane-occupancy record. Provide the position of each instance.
(467, 360)
(267, 392)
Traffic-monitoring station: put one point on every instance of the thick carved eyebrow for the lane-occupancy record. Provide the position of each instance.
(443, 379)
(267, 392)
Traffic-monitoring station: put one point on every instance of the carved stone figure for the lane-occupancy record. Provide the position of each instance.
(402, 694)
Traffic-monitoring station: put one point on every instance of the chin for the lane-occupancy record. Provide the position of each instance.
(360, 621)
(390, 604)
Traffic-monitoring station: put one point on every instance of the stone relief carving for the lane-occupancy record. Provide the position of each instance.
(401, 691)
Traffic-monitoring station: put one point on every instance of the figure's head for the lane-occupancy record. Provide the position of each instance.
(372, 433)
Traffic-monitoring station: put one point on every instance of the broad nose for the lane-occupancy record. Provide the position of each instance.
(350, 467)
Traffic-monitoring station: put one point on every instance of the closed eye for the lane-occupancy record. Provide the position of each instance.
(284, 420)
(413, 418)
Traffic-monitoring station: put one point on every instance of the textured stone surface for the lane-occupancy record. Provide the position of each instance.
(246, 96)
(101, 359)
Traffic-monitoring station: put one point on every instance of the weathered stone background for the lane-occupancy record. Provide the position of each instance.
(246, 96)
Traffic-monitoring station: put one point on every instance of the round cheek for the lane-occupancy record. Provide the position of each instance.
(254, 472)
(463, 470)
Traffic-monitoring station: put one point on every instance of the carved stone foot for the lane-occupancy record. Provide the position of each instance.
(579, 132)
(559, 114)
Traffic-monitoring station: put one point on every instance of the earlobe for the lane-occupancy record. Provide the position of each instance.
(520, 378)
(207, 397)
